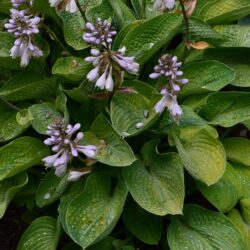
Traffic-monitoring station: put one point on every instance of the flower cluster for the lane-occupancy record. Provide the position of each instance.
(67, 5)
(101, 33)
(107, 63)
(23, 26)
(65, 142)
(164, 5)
(170, 68)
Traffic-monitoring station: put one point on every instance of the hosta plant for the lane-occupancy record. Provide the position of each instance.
(124, 123)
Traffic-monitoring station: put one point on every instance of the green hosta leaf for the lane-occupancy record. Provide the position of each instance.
(157, 185)
(112, 149)
(9, 188)
(21, 154)
(5, 6)
(50, 189)
(203, 156)
(131, 114)
(200, 31)
(243, 174)
(144, 40)
(203, 229)
(81, 93)
(218, 11)
(122, 13)
(238, 221)
(103, 11)
(71, 68)
(61, 105)
(106, 244)
(226, 108)
(145, 226)
(206, 76)
(9, 127)
(27, 85)
(245, 209)
(237, 149)
(189, 119)
(43, 115)
(235, 35)
(42, 233)
(225, 193)
(93, 214)
(73, 27)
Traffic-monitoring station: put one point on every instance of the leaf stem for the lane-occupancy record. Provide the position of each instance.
(54, 36)
(81, 10)
(9, 104)
(143, 8)
(186, 22)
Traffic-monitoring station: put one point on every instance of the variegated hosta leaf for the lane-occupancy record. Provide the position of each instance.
(200, 228)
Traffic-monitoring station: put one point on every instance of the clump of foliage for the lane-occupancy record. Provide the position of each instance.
(124, 123)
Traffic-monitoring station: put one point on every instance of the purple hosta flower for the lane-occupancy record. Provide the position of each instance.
(170, 68)
(170, 101)
(25, 49)
(17, 3)
(67, 5)
(108, 63)
(164, 5)
(100, 33)
(65, 143)
(21, 23)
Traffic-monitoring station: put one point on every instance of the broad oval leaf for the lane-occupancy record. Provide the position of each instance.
(27, 85)
(131, 114)
(42, 234)
(219, 11)
(43, 115)
(236, 218)
(9, 127)
(157, 185)
(144, 225)
(113, 150)
(50, 189)
(21, 154)
(144, 40)
(206, 76)
(71, 68)
(203, 229)
(225, 193)
(9, 188)
(203, 156)
(235, 35)
(226, 108)
(237, 149)
(93, 214)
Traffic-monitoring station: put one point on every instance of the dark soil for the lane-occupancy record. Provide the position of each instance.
(11, 228)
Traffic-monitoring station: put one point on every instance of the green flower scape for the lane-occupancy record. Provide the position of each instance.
(124, 123)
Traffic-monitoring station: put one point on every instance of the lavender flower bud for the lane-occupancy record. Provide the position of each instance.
(17, 3)
(107, 64)
(164, 5)
(65, 143)
(21, 23)
(67, 5)
(170, 68)
(100, 33)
